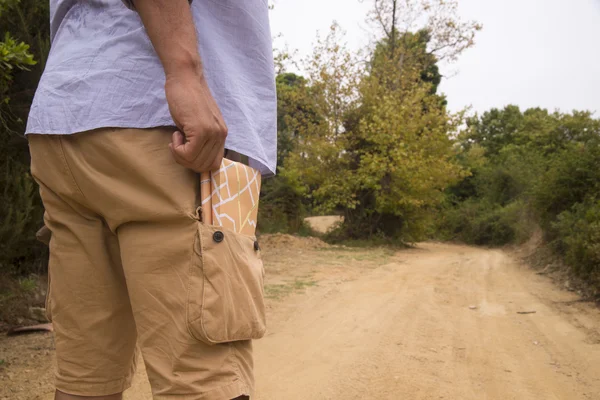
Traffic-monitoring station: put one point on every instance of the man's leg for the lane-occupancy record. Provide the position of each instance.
(149, 201)
(94, 329)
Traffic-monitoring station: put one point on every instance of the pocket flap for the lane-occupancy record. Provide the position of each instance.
(226, 294)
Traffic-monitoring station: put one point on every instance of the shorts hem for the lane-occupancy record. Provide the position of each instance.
(94, 389)
(227, 392)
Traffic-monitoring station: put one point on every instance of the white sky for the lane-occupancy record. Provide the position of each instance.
(531, 53)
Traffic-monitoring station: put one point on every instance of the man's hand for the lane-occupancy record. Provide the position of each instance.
(199, 144)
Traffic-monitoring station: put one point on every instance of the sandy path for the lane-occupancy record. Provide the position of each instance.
(410, 330)
(323, 224)
(436, 322)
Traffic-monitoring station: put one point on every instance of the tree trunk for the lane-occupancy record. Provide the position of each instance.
(393, 44)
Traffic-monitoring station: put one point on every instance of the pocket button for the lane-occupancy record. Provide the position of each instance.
(218, 236)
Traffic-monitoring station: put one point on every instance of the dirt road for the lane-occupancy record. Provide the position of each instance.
(436, 322)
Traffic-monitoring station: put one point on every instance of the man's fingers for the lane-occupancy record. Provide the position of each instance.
(198, 154)
(179, 150)
(177, 145)
(177, 158)
(218, 157)
(215, 156)
(187, 151)
(177, 139)
(206, 159)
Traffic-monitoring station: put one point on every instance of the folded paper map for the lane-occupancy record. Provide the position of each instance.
(230, 197)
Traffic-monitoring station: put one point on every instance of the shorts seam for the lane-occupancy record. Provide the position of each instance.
(202, 261)
(191, 271)
(68, 167)
(236, 365)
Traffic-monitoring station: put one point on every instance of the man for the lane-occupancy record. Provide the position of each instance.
(122, 122)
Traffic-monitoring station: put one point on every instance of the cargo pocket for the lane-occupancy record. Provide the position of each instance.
(225, 299)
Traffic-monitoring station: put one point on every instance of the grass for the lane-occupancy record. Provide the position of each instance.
(17, 294)
(373, 242)
(301, 285)
(281, 290)
(28, 285)
(378, 254)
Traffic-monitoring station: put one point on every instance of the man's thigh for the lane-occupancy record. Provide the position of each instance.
(87, 295)
(133, 264)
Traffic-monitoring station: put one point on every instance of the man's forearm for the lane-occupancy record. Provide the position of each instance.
(171, 29)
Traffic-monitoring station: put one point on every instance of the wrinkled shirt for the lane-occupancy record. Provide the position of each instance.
(102, 71)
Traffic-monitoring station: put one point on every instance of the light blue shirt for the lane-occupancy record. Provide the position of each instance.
(102, 71)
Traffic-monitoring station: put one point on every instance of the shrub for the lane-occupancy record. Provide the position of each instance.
(20, 218)
(578, 238)
(484, 223)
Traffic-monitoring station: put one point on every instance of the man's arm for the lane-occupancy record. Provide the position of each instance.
(171, 29)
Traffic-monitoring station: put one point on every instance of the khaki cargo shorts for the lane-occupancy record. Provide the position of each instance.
(131, 267)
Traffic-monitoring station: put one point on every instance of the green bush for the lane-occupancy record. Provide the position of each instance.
(578, 238)
(24, 37)
(572, 177)
(20, 218)
(281, 208)
(483, 223)
(529, 169)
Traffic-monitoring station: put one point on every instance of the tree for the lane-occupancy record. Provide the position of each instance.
(382, 154)
(494, 130)
(449, 36)
(296, 112)
(283, 205)
(321, 145)
(408, 50)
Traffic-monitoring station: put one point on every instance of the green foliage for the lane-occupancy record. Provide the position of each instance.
(283, 202)
(24, 25)
(296, 112)
(381, 153)
(28, 284)
(412, 48)
(572, 177)
(25, 33)
(13, 55)
(578, 238)
(528, 169)
(282, 208)
(371, 141)
(20, 218)
(484, 223)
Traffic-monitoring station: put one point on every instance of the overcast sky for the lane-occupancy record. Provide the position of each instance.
(531, 53)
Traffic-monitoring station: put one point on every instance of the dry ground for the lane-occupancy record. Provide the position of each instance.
(434, 322)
